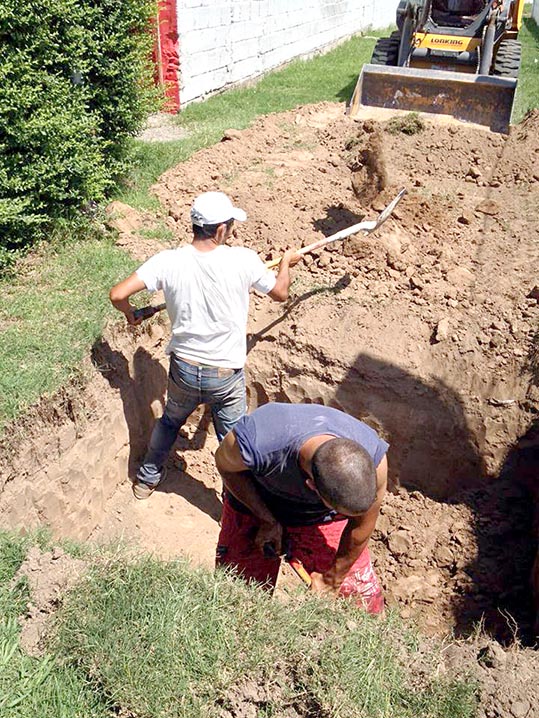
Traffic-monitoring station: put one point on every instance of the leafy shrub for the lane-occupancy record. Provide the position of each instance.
(75, 84)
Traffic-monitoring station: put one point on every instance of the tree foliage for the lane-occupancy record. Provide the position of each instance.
(75, 84)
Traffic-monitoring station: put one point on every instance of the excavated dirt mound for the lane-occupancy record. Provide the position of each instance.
(426, 330)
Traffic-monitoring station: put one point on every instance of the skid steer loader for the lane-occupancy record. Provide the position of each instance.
(459, 58)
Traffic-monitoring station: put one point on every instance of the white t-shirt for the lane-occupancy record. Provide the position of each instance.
(207, 297)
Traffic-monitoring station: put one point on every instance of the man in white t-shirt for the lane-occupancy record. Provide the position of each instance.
(206, 286)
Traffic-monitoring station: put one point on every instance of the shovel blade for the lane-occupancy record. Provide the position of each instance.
(481, 99)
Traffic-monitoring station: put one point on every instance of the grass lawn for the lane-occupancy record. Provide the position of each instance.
(161, 640)
(51, 314)
(527, 96)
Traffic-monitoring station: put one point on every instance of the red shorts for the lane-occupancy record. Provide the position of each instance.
(315, 546)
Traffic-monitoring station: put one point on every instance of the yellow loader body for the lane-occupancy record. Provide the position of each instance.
(447, 63)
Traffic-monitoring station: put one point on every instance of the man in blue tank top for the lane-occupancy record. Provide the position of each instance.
(311, 475)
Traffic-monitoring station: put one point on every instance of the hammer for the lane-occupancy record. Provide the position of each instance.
(295, 564)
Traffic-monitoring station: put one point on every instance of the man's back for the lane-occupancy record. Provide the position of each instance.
(207, 296)
(270, 440)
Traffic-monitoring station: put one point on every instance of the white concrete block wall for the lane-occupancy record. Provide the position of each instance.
(535, 11)
(223, 42)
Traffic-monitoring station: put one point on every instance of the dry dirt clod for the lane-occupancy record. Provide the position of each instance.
(400, 542)
(231, 134)
(520, 708)
(465, 218)
(442, 330)
(492, 655)
(460, 277)
(488, 206)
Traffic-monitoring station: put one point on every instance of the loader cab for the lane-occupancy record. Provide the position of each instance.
(456, 13)
(465, 18)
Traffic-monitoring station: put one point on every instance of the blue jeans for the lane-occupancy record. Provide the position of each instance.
(188, 387)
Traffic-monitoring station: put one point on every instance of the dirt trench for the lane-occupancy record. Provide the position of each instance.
(427, 331)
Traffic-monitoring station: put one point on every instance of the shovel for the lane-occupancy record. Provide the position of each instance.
(295, 564)
(366, 227)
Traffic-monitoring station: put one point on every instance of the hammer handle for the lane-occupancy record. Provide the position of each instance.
(147, 312)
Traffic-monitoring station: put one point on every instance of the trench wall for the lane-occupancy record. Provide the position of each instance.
(229, 41)
(66, 472)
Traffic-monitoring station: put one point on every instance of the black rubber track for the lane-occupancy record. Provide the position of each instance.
(507, 60)
(386, 50)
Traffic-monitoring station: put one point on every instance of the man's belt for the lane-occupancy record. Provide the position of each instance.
(221, 371)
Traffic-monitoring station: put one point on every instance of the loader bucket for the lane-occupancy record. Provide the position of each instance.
(482, 99)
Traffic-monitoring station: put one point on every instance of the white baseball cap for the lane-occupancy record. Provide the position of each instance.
(214, 208)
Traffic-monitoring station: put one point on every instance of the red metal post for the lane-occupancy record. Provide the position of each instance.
(167, 56)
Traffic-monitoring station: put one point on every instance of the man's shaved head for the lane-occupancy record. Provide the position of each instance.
(344, 476)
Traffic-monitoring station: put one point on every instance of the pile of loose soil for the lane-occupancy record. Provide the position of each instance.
(425, 330)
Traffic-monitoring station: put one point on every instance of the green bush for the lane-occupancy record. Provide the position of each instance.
(75, 84)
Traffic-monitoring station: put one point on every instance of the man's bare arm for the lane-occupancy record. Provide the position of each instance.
(238, 481)
(279, 293)
(120, 293)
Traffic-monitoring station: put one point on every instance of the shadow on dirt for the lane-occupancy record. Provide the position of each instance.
(342, 283)
(192, 490)
(338, 217)
(434, 452)
(140, 386)
(522, 470)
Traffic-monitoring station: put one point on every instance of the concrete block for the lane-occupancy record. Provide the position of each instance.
(213, 16)
(240, 31)
(244, 69)
(242, 11)
(244, 50)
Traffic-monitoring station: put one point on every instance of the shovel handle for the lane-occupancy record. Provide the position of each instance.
(294, 563)
(149, 311)
(366, 226)
(300, 570)
(361, 226)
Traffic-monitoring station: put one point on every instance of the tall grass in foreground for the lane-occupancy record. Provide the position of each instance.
(34, 687)
(148, 639)
(162, 639)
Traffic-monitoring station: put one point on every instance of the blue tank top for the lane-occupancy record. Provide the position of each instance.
(269, 441)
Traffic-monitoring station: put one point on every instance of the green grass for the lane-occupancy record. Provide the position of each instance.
(164, 640)
(51, 314)
(527, 96)
(150, 639)
(29, 687)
